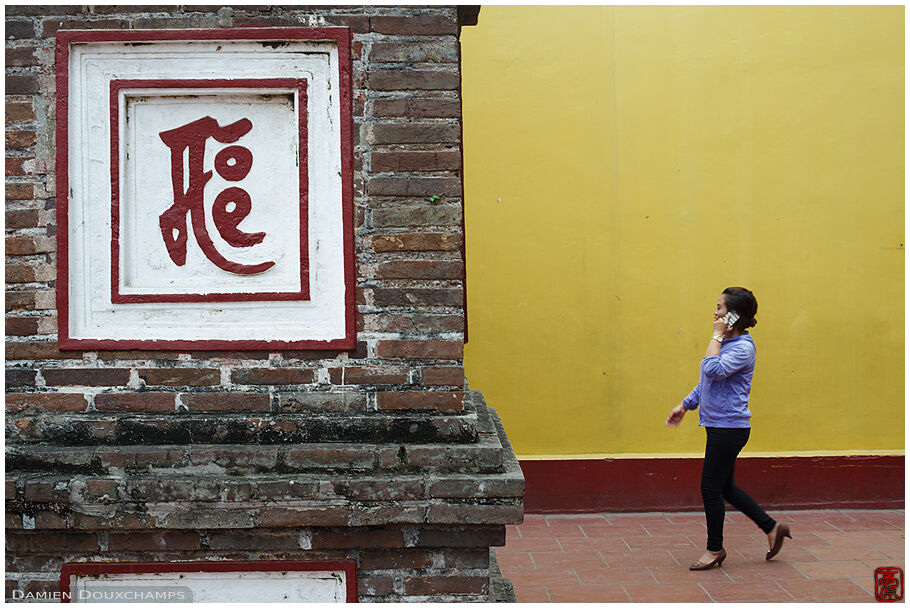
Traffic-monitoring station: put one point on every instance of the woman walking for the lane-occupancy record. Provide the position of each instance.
(723, 395)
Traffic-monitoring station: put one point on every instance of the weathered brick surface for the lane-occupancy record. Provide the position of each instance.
(86, 377)
(247, 455)
(180, 377)
(46, 402)
(421, 349)
(273, 376)
(135, 402)
(417, 108)
(443, 376)
(421, 400)
(416, 161)
(226, 402)
(369, 375)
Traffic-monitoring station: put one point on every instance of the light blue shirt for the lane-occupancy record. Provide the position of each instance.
(723, 390)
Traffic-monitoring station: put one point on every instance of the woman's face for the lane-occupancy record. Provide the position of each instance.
(721, 307)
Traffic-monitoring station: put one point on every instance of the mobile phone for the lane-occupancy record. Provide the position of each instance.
(731, 318)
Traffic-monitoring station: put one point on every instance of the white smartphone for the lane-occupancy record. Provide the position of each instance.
(731, 318)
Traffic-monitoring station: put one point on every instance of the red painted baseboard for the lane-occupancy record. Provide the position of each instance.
(672, 484)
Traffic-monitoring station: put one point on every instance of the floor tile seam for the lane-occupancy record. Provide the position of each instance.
(860, 586)
(702, 587)
(626, 591)
(776, 582)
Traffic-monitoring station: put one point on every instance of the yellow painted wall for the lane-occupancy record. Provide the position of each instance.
(625, 164)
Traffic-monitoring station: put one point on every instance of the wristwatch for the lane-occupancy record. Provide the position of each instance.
(719, 338)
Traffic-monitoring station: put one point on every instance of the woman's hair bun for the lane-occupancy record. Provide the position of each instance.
(742, 301)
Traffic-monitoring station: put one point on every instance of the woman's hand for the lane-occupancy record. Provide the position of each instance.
(676, 415)
(720, 326)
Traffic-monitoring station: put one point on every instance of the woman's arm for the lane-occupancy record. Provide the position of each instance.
(734, 359)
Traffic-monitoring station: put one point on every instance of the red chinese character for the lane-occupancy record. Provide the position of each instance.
(231, 206)
(889, 584)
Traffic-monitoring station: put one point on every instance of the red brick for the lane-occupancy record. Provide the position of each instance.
(252, 541)
(39, 542)
(415, 133)
(20, 140)
(135, 402)
(40, 490)
(474, 536)
(421, 400)
(44, 589)
(16, 351)
(15, 166)
(418, 80)
(411, 323)
(418, 296)
(19, 112)
(27, 245)
(418, 241)
(21, 218)
(21, 326)
(409, 559)
(394, 52)
(20, 300)
(443, 376)
(416, 161)
(411, 216)
(290, 517)
(18, 378)
(358, 540)
(434, 585)
(375, 586)
(467, 558)
(86, 377)
(18, 29)
(420, 269)
(417, 108)
(132, 355)
(369, 375)
(169, 376)
(285, 376)
(226, 402)
(154, 541)
(358, 24)
(21, 57)
(414, 186)
(420, 349)
(19, 192)
(46, 402)
(423, 25)
(22, 85)
(20, 273)
(11, 586)
(51, 26)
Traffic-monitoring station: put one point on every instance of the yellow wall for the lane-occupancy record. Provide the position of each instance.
(625, 164)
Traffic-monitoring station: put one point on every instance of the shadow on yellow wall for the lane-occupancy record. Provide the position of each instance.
(623, 165)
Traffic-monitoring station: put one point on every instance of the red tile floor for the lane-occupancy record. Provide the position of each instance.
(643, 557)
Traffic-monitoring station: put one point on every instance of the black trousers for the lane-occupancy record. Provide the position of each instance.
(721, 449)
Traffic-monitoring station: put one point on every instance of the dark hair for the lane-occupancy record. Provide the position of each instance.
(741, 301)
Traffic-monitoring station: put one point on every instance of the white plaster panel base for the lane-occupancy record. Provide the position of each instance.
(146, 189)
(228, 587)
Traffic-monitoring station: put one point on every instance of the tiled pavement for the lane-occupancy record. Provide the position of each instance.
(643, 557)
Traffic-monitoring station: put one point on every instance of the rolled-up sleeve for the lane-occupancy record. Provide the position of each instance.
(691, 402)
(729, 361)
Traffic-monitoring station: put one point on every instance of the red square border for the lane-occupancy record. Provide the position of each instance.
(262, 83)
(341, 37)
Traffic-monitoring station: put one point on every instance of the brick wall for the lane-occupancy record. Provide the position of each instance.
(379, 446)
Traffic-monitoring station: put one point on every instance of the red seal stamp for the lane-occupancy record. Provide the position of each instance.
(889, 584)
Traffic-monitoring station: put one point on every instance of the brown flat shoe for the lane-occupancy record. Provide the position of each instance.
(783, 530)
(717, 562)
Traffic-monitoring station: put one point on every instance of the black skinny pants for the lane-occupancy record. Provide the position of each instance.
(721, 449)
